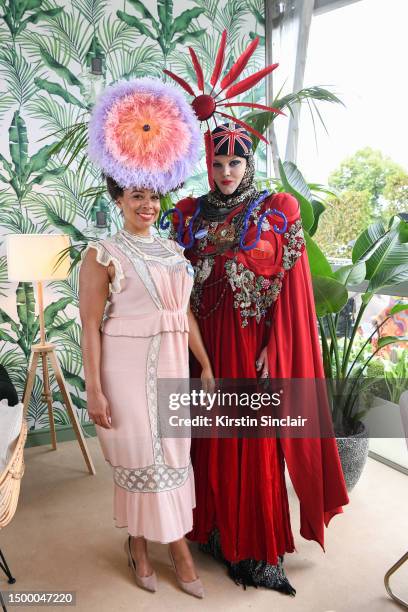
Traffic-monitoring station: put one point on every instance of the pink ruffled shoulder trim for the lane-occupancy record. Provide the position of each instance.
(105, 259)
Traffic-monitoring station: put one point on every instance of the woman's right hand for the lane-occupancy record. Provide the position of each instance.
(98, 409)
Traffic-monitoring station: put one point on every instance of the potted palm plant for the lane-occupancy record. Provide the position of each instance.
(379, 260)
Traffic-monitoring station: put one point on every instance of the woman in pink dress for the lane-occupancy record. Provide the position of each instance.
(136, 328)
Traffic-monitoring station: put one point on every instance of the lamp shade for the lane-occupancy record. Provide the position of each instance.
(34, 257)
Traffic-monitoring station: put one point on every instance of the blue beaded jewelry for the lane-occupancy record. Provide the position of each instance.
(164, 224)
(266, 213)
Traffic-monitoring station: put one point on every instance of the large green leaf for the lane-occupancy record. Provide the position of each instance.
(398, 308)
(77, 401)
(141, 8)
(386, 340)
(61, 70)
(5, 318)
(30, 5)
(183, 21)
(18, 143)
(319, 266)
(351, 274)
(296, 178)
(388, 264)
(330, 295)
(188, 36)
(57, 90)
(53, 309)
(367, 241)
(26, 308)
(318, 210)
(40, 159)
(63, 225)
(403, 231)
(165, 12)
(74, 380)
(39, 180)
(57, 330)
(35, 18)
(6, 337)
(134, 22)
(6, 164)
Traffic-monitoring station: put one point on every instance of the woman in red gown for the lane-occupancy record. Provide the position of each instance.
(257, 318)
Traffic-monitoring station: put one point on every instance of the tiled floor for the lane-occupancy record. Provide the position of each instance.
(62, 538)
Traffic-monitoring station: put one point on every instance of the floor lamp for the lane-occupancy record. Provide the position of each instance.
(34, 257)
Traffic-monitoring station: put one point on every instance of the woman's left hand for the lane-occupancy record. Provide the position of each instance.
(262, 363)
(207, 380)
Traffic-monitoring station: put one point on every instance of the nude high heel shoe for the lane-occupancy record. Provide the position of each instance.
(195, 587)
(145, 582)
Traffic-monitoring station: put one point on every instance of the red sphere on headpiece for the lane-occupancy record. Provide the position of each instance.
(204, 106)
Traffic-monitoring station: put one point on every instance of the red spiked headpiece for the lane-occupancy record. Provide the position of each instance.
(206, 105)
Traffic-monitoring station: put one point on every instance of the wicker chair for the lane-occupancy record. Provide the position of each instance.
(10, 481)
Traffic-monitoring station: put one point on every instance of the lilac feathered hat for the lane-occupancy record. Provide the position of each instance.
(143, 133)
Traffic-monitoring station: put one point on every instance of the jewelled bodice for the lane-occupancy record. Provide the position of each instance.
(254, 276)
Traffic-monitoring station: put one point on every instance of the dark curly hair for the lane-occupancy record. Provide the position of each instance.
(114, 190)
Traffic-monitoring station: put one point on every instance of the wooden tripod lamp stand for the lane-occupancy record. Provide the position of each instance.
(34, 257)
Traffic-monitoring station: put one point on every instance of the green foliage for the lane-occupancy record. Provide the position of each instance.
(168, 31)
(345, 217)
(25, 331)
(380, 258)
(261, 120)
(18, 74)
(396, 373)
(396, 193)
(74, 32)
(92, 10)
(24, 172)
(3, 276)
(367, 170)
(294, 183)
(17, 14)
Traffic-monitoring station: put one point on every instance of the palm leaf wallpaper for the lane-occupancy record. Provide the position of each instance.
(46, 51)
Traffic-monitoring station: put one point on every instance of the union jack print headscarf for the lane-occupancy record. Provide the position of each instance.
(231, 139)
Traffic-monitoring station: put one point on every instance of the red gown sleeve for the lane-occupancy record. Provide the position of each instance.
(294, 352)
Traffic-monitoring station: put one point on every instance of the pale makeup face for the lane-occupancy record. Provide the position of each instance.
(228, 171)
(140, 209)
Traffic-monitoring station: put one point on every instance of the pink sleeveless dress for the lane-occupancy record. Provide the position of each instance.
(145, 337)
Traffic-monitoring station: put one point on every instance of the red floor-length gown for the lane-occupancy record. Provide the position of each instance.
(240, 483)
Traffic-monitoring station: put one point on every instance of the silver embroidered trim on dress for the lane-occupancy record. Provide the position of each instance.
(150, 479)
(151, 394)
(295, 245)
(153, 247)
